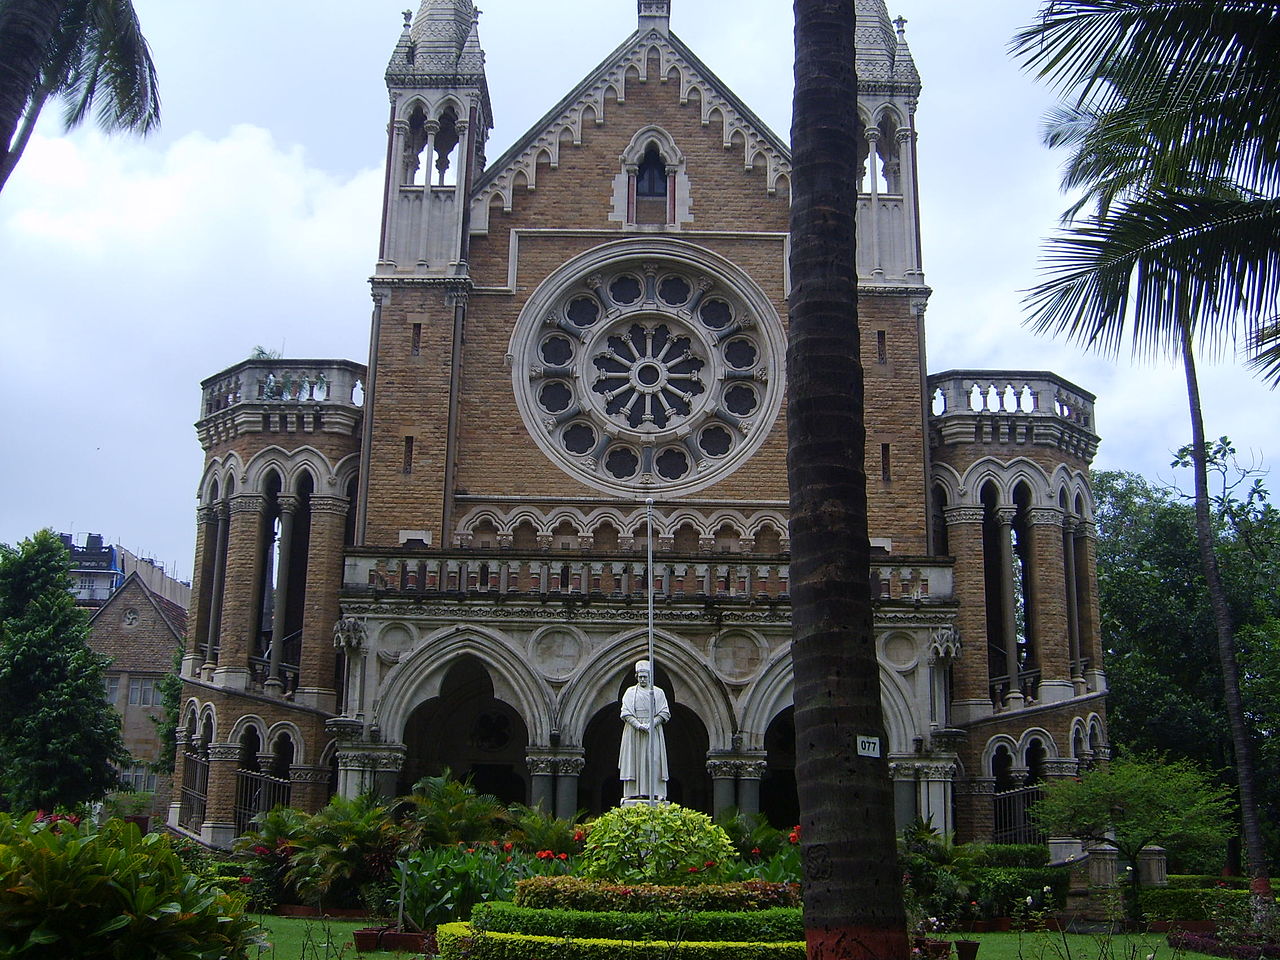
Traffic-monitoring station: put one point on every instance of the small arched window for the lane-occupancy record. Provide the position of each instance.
(651, 178)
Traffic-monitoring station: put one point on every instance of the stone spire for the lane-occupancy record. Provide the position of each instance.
(883, 58)
(655, 15)
(441, 40)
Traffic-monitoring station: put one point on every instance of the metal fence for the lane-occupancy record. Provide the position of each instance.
(1013, 823)
(257, 793)
(195, 791)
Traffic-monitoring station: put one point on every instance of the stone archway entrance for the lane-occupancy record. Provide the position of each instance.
(687, 746)
(472, 733)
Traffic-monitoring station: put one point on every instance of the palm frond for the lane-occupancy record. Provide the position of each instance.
(109, 63)
(1264, 352)
(1140, 271)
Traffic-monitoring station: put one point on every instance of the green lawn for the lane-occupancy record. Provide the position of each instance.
(290, 938)
(1071, 946)
(295, 939)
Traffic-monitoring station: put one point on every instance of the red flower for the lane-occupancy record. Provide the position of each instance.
(261, 851)
(564, 856)
(693, 869)
(793, 837)
(543, 854)
(755, 851)
(709, 864)
(578, 836)
(508, 847)
(246, 879)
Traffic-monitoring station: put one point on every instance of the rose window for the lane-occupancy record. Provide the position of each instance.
(648, 375)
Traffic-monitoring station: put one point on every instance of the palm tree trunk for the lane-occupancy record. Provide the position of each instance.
(26, 29)
(852, 891)
(1241, 740)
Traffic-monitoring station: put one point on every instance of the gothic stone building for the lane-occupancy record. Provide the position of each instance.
(438, 560)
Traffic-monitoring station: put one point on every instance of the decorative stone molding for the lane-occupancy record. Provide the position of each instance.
(722, 769)
(287, 504)
(752, 769)
(1049, 516)
(350, 634)
(976, 787)
(334, 506)
(309, 775)
(345, 729)
(1060, 768)
(944, 644)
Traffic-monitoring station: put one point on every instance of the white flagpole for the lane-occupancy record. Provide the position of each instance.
(653, 665)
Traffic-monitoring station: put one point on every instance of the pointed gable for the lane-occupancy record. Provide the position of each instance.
(136, 628)
(586, 103)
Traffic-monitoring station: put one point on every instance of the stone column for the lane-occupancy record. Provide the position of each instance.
(1090, 619)
(321, 611)
(872, 135)
(542, 771)
(197, 639)
(570, 769)
(750, 773)
(214, 633)
(723, 773)
(1073, 603)
(280, 606)
(934, 780)
(975, 809)
(423, 242)
(1008, 606)
(1153, 867)
(1049, 606)
(242, 600)
(971, 680)
(364, 767)
(181, 739)
(309, 788)
(219, 827)
(395, 176)
(906, 158)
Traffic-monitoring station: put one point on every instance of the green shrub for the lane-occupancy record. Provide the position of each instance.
(1175, 903)
(441, 811)
(783, 867)
(664, 843)
(347, 844)
(760, 926)
(579, 893)
(446, 883)
(1003, 891)
(457, 941)
(754, 838)
(1205, 881)
(108, 892)
(1009, 854)
(532, 830)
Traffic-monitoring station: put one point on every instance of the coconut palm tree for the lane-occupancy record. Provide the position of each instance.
(81, 51)
(852, 894)
(1174, 242)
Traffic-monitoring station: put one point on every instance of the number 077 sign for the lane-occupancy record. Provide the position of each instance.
(868, 746)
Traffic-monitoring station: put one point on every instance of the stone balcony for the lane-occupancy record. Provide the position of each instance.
(288, 396)
(1012, 407)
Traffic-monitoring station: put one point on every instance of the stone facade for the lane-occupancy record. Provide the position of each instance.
(593, 321)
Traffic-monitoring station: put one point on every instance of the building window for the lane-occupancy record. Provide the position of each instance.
(651, 178)
(111, 688)
(415, 348)
(85, 584)
(882, 347)
(142, 693)
(886, 474)
(408, 454)
(139, 777)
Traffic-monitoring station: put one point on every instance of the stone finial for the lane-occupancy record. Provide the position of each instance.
(655, 15)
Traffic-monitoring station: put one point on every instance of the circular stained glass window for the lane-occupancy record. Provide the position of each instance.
(675, 291)
(656, 400)
(715, 313)
(625, 290)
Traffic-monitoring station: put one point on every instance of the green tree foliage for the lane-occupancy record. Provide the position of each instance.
(58, 735)
(86, 52)
(1162, 659)
(1139, 802)
(667, 843)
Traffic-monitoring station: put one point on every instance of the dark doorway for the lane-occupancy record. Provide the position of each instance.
(469, 731)
(779, 801)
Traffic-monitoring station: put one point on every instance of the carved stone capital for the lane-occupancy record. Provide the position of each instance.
(309, 774)
(1051, 516)
(334, 506)
(1087, 529)
(349, 633)
(224, 752)
(345, 729)
(958, 515)
(572, 766)
(287, 504)
(1006, 515)
(752, 769)
(722, 769)
(431, 127)
(207, 514)
(247, 503)
(872, 134)
(1060, 768)
(542, 766)
(944, 644)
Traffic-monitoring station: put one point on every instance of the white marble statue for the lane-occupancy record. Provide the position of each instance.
(642, 760)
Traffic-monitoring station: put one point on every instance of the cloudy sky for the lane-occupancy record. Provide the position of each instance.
(130, 270)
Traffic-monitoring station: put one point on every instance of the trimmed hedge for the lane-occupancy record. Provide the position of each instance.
(778, 924)
(460, 941)
(1206, 881)
(1203, 943)
(1169, 903)
(579, 893)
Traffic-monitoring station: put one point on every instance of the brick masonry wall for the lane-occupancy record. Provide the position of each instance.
(496, 456)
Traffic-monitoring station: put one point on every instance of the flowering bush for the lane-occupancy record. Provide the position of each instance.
(665, 843)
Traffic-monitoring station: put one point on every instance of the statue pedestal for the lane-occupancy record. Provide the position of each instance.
(643, 802)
